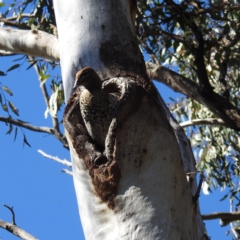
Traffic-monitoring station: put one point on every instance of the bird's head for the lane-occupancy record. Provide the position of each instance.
(88, 78)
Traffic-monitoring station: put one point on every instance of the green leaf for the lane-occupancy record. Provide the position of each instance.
(0, 98)
(43, 78)
(15, 134)
(13, 67)
(4, 107)
(2, 4)
(2, 73)
(46, 77)
(6, 89)
(13, 108)
(10, 129)
(25, 141)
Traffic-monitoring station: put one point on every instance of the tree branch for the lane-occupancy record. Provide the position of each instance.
(64, 161)
(218, 9)
(197, 194)
(29, 42)
(219, 105)
(197, 50)
(208, 121)
(232, 227)
(13, 214)
(37, 43)
(57, 133)
(16, 230)
(151, 53)
(225, 217)
(20, 123)
(12, 227)
(13, 24)
(24, 15)
(67, 172)
(167, 35)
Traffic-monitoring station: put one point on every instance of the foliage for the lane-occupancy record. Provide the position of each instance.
(200, 40)
(36, 15)
(197, 39)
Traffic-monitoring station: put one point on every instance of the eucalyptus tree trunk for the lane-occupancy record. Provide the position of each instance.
(150, 196)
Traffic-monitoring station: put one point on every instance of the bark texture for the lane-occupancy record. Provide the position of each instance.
(146, 153)
(33, 43)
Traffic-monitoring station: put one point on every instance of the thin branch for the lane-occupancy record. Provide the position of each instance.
(225, 217)
(57, 133)
(174, 37)
(202, 10)
(64, 161)
(197, 50)
(17, 231)
(217, 9)
(208, 121)
(149, 50)
(223, 73)
(13, 214)
(13, 24)
(235, 234)
(197, 194)
(24, 15)
(28, 126)
(43, 86)
(67, 172)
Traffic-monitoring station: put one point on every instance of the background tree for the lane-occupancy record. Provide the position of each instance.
(199, 40)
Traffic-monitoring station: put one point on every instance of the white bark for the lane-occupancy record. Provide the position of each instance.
(154, 200)
(17, 231)
(33, 43)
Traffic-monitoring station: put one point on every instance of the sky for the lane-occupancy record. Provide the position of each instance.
(43, 197)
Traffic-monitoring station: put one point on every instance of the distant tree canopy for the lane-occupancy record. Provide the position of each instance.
(193, 47)
(200, 41)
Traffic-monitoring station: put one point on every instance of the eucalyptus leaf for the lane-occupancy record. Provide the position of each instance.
(13, 108)
(25, 141)
(2, 73)
(32, 64)
(13, 67)
(6, 89)
(4, 107)
(15, 133)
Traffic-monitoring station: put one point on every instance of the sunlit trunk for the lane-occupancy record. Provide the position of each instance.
(153, 198)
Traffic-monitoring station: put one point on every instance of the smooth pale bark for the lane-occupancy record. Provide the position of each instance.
(154, 198)
(17, 231)
(29, 42)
